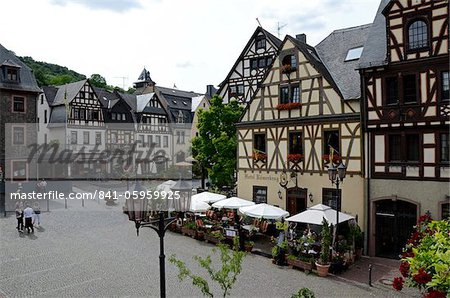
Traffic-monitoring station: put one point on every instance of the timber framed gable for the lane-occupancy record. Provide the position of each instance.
(249, 69)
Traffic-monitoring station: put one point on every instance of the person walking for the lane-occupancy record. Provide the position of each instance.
(19, 216)
(37, 214)
(28, 214)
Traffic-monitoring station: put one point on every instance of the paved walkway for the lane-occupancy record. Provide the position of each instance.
(93, 251)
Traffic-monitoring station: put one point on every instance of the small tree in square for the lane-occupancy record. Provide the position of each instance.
(225, 276)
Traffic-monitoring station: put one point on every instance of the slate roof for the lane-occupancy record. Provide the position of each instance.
(176, 101)
(50, 93)
(130, 99)
(374, 53)
(333, 51)
(313, 57)
(67, 92)
(176, 98)
(57, 116)
(107, 99)
(145, 77)
(142, 100)
(27, 79)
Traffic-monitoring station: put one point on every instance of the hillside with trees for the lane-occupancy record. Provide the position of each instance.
(51, 74)
(48, 74)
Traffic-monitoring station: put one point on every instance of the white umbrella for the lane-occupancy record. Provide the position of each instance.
(315, 214)
(232, 203)
(166, 186)
(264, 211)
(209, 197)
(198, 206)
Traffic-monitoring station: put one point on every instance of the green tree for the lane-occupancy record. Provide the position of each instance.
(225, 276)
(98, 81)
(216, 144)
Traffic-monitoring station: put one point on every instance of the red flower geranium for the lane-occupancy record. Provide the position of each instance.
(398, 283)
(434, 294)
(259, 156)
(404, 269)
(295, 157)
(415, 237)
(426, 218)
(288, 106)
(407, 254)
(422, 277)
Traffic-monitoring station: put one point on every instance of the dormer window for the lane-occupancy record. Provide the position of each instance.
(180, 117)
(417, 35)
(12, 74)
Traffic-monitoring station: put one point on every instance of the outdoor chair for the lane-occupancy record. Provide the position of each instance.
(199, 223)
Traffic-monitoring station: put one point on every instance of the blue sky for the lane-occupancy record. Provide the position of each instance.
(188, 43)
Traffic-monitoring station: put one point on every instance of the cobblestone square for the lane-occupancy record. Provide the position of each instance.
(93, 251)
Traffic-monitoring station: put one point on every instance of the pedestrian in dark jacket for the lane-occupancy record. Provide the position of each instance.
(19, 216)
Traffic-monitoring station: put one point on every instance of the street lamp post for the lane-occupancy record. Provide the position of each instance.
(336, 176)
(137, 209)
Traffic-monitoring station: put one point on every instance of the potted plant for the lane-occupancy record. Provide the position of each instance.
(323, 263)
(249, 246)
(279, 253)
(358, 240)
(213, 237)
(304, 262)
(189, 229)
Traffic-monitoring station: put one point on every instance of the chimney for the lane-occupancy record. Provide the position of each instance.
(301, 37)
(210, 90)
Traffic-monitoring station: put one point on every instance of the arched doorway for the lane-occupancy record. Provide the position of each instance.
(296, 200)
(394, 222)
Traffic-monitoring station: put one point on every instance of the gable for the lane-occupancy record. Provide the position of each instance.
(318, 94)
(416, 29)
(250, 67)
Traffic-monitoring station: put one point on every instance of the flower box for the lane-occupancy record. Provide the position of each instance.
(295, 157)
(212, 239)
(336, 158)
(189, 232)
(200, 235)
(287, 68)
(297, 263)
(289, 106)
(259, 156)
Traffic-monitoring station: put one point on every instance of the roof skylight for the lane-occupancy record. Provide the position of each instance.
(354, 54)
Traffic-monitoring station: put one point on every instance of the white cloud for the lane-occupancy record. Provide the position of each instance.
(191, 43)
(114, 5)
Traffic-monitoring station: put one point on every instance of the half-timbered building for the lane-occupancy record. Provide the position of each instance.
(76, 122)
(249, 69)
(306, 109)
(405, 75)
(153, 133)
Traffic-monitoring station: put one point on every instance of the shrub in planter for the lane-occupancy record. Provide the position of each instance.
(323, 263)
(302, 262)
(249, 246)
(304, 293)
(425, 262)
(214, 237)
